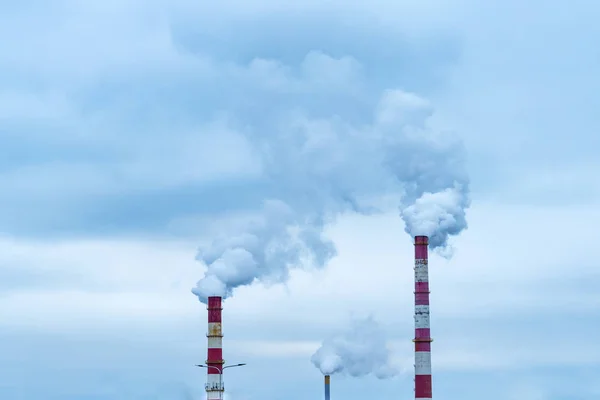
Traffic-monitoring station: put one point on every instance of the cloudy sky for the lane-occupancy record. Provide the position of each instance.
(130, 131)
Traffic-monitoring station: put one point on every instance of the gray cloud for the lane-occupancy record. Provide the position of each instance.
(99, 135)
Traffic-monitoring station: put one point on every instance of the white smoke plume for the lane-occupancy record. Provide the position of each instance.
(360, 351)
(317, 169)
(265, 249)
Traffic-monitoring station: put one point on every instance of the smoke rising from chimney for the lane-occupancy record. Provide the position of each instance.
(360, 351)
(276, 240)
(317, 169)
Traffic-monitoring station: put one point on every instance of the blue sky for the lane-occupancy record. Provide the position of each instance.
(129, 133)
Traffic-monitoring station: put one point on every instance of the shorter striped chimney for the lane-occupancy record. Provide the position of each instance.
(214, 360)
(327, 378)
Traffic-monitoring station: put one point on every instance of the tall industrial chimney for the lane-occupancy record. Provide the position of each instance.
(327, 378)
(214, 359)
(422, 338)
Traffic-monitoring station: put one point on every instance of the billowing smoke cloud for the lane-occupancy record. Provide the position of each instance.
(430, 166)
(317, 169)
(360, 351)
(264, 249)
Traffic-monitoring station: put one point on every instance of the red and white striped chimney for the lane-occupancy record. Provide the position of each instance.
(422, 330)
(214, 359)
